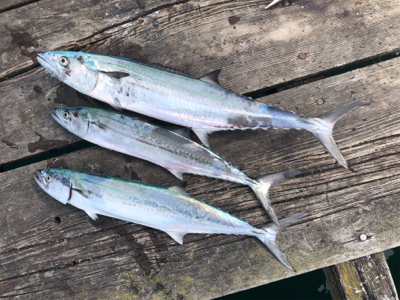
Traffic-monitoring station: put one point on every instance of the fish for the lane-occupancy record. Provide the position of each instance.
(170, 210)
(168, 95)
(169, 149)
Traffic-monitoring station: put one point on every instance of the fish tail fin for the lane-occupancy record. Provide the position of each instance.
(326, 121)
(269, 237)
(262, 186)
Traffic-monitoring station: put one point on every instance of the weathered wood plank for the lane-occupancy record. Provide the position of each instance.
(25, 116)
(38, 254)
(78, 258)
(12, 4)
(271, 46)
(362, 278)
(49, 24)
(25, 97)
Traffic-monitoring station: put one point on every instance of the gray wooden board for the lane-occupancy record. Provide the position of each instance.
(26, 126)
(366, 277)
(254, 47)
(80, 258)
(48, 24)
(12, 4)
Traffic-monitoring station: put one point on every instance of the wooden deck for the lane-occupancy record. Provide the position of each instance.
(50, 250)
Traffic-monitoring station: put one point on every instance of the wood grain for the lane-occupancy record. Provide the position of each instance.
(12, 4)
(26, 126)
(240, 37)
(48, 25)
(79, 258)
(50, 250)
(120, 259)
(362, 278)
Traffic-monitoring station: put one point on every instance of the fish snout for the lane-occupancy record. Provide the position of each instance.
(40, 178)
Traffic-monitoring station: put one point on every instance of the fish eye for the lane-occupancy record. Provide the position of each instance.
(48, 178)
(63, 61)
(66, 114)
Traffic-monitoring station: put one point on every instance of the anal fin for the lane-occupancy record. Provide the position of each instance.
(177, 236)
(179, 190)
(202, 134)
(92, 215)
(176, 173)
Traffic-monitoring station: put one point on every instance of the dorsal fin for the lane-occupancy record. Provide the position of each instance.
(211, 77)
(167, 69)
(155, 66)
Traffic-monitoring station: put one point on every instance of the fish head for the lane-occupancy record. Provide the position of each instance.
(76, 69)
(55, 182)
(74, 119)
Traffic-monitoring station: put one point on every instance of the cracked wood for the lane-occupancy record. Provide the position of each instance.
(41, 257)
(78, 257)
(240, 37)
(362, 278)
(28, 100)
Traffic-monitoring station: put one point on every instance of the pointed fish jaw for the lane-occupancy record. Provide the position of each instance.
(51, 66)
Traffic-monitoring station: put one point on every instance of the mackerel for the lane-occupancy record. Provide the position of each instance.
(170, 210)
(158, 145)
(169, 95)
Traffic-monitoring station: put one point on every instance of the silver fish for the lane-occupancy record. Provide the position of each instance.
(165, 94)
(170, 210)
(163, 147)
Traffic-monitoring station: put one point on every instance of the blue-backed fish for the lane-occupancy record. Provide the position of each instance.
(170, 210)
(168, 95)
(166, 148)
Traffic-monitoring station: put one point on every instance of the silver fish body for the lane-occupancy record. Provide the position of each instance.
(163, 147)
(200, 104)
(169, 210)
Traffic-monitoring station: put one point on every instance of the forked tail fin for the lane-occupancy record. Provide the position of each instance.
(269, 238)
(263, 185)
(326, 121)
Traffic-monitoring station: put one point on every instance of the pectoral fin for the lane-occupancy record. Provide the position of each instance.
(179, 190)
(177, 236)
(92, 215)
(117, 75)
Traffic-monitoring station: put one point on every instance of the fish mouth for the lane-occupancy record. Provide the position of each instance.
(40, 179)
(55, 117)
(48, 66)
